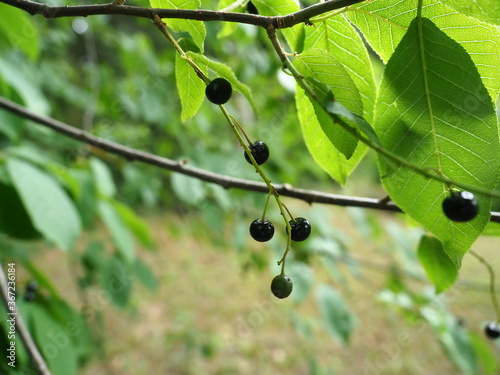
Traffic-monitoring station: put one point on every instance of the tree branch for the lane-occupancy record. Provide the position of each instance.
(21, 327)
(131, 154)
(279, 22)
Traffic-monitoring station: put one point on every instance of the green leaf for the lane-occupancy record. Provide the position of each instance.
(86, 197)
(484, 10)
(16, 73)
(190, 190)
(338, 37)
(292, 35)
(385, 25)
(65, 178)
(145, 275)
(324, 73)
(227, 28)
(322, 66)
(437, 122)
(54, 341)
(222, 70)
(14, 219)
(51, 211)
(457, 345)
(195, 28)
(137, 225)
(485, 355)
(303, 278)
(117, 281)
(318, 144)
(339, 320)
(334, 108)
(102, 178)
(438, 266)
(492, 229)
(18, 28)
(11, 126)
(120, 234)
(191, 87)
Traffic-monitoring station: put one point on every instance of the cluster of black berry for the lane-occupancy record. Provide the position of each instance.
(219, 91)
(262, 230)
(31, 288)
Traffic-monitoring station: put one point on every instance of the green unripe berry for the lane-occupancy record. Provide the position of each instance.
(281, 286)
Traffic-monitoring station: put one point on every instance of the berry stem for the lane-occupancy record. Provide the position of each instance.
(265, 205)
(288, 247)
(289, 213)
(491, 271)
(241, 129)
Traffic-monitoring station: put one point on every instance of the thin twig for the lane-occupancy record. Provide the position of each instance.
(21, 327)
(491, 271)
(131, 154)
(279, 22)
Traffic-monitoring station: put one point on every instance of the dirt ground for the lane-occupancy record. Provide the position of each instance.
(211, 317)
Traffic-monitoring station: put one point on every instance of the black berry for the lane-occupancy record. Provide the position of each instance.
(219, 91)
(251, 8)
(32, 286)
(492, 331)
(260, 152)
(261, 230)
(30, 296)
(461, 206)
(301, 229)
(281, 286)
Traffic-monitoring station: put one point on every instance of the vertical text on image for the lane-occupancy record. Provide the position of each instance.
(11, 314)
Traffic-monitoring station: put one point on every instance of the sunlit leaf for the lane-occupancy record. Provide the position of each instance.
(191, 87)
(384, 25)
(195, 28)
(434, 120)
(222, 70)
(484, 10)
(294, 34)
(321, 149)
(18, 28)
(338, 37)
(322, 66)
